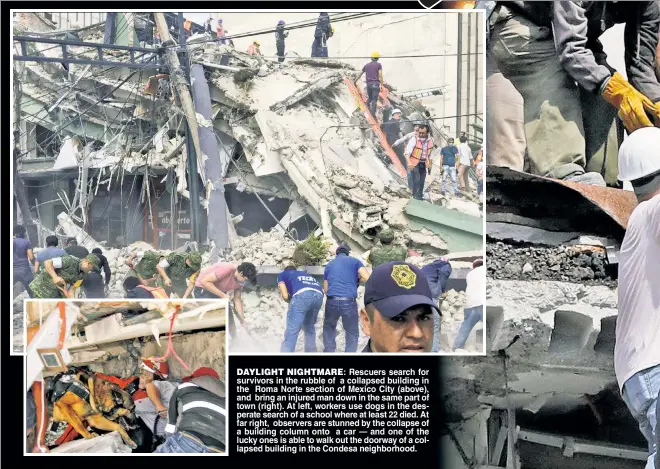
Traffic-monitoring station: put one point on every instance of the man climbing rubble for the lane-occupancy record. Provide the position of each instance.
(61, 274)
(51, 251)
(341, 278)
(196, 415)
(22, 257)
(254, 48)
(418, 154)
(305, 298)
(392, 129)
(386, 252)
(473, 311)
(152, 408)
(176, 271)
(322, 33)
(280, 36)
(373, 76)
(464, 163)
(448, 162)
(437, 274)
(545, 48)
(637, 349)
(73, 249)
(104, 265)
(397, 310)
(219, 280)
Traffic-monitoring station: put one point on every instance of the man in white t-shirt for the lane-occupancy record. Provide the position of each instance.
(464, 159)
(637, 349)
(474, 303)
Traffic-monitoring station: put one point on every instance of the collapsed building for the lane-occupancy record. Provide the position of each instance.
(241, 160)
(110, 338)
(545, 396)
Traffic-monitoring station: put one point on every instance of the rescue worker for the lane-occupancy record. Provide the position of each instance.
(305, 297)
(392, 129)
(637, 348)
(386, 252)
(187, 27)
(107, 273)
(398, 308)
(569, 128)
(473, 310)
(136, 289)
(448, 162)
(280, 36)
(373, 72)
(74, 250)
(322, 33)
(196, 415)
(177, 271)
(479, 168)
(152, 408)
(220, 32)
(59, 273)
(51, 251)
(208, 28)
(22, 257)
(464, 163)
(418, 155)
(437, 275)
(254, 48)
(218, 280)
(340, 283)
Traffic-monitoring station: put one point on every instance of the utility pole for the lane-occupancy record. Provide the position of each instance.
(19, 187)
(193, 149)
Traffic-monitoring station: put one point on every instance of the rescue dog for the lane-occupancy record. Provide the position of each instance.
(83, 397)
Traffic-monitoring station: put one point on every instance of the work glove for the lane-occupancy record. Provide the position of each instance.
(653, 110)
(631, 104)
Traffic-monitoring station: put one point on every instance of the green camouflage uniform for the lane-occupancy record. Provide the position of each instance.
(178, 271)
(43, 287)
(382, 254)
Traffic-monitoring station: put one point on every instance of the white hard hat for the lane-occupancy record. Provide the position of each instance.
(396, 111)
(639, 155)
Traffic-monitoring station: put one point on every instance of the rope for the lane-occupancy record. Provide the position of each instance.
(170, 347)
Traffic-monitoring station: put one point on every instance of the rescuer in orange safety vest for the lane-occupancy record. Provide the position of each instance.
(418, 153)
(254, 48)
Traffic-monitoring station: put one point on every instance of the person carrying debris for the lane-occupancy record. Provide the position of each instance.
(340, 283)
(545, 48)
(418, 153)
(23, 257)
(637, 346)
(136, 289)
(397, 310)
(448, 162)
(305, 297)
(254, 48)
(386, 252)
(218, 280)
(60, 272)
(51, 251)
(152, 408)
(176, 271)
(322, 33)
(392, 129)
(280, 36)
(464, 163)
(373, 76)
(437, 274)
(473, 311)
(74, 250)
(196, 415)
(104, 265)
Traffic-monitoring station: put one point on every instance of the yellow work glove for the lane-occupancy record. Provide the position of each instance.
(653, 110)
(631, 103)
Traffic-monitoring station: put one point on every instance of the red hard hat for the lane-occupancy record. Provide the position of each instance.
(160, 369)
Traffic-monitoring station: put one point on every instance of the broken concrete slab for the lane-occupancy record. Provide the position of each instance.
(108, 443)
(526, 234)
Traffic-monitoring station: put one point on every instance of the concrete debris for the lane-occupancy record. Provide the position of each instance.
(108, 443)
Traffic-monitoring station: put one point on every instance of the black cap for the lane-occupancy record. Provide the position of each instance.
(394, 287)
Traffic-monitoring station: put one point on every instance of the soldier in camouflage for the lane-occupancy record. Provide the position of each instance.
(177, 271)
(386, 252)
(61, 274)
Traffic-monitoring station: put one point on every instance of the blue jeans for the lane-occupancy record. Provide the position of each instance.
(373, 90)
(436, 331)
(348, 312)
(471, 316)
(303, 310)
(451, 170)
(418, 179)
(182, 442)
(640, 393)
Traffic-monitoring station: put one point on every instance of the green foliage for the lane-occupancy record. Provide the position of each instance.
(312, 251)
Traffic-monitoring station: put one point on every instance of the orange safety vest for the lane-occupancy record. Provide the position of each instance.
(187, 24)
(157, 292)
(416, 154)
(252, 50)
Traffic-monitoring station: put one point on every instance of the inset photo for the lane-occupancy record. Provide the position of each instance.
(125, 376)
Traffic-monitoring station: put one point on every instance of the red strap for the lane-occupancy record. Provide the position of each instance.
(62, 307)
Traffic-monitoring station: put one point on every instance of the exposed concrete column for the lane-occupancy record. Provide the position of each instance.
(213, 166)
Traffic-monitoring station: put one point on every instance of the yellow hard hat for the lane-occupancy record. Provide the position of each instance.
(256, 43)
(332, 29)
(375, 55)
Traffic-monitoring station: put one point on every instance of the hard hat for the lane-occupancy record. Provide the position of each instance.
(375, 55)
(160, 369)
(256, 43)
(639, 154)
(280, 22)
(396, 111)
(219, 20)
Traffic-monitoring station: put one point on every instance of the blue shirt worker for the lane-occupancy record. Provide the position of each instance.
(398, 308)
(305, 297)
(448, 163)
(51, 252)
(341, 278)
(437, 274)
(22, 258)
